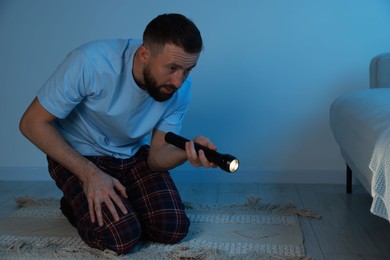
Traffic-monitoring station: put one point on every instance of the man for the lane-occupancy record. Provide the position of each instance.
(101, 119)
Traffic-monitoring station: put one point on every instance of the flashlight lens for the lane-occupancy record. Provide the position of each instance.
(233, 165)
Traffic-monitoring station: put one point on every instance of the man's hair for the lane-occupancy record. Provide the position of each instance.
(173, 29)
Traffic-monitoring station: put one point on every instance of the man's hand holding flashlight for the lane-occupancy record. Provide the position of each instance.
(201, 151)
(199, 159)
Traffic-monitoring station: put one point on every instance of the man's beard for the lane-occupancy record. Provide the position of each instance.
(154, 90)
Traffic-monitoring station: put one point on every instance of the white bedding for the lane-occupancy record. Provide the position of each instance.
(357, 120)
(361, 125)
(360, 122)
(380, 166)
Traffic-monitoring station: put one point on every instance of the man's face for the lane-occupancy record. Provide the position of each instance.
(165, 72)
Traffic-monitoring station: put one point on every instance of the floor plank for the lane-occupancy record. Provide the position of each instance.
(359, 204)
(199, 192)
(339, 232)
(230, 193)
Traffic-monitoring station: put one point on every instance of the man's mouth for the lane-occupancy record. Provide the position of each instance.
(168, 89)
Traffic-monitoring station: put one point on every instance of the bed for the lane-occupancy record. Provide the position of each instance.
(360, 122)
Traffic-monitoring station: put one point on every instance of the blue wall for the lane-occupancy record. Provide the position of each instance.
(262, 87)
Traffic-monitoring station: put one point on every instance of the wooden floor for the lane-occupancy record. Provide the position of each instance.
(347, 230)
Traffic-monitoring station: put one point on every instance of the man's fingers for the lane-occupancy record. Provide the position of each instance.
(95, 210)
(197, 158)
(91, 210)
(120, 188)
(112, 209)
(117, 200)
(203, 159)
(112, 201)
(98, 212)
(119, 203)
(205, 162)
(192, 154)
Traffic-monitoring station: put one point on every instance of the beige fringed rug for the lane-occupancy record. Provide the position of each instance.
(38, 230)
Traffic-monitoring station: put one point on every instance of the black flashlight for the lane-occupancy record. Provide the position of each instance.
(226, 162)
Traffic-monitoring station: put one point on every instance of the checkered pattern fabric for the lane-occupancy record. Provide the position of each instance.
(155, 209)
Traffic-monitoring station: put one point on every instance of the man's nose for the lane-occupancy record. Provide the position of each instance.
(177, 79)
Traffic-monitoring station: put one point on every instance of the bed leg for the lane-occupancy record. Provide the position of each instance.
(349, 179)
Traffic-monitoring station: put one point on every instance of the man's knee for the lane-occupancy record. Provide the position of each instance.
(120, 236)
(169, 230)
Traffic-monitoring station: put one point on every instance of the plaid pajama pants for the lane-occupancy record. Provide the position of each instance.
(155, 209)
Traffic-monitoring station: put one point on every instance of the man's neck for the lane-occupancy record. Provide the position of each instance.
(137, 70)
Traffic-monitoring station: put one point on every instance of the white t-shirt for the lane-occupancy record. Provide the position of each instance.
(100, 109)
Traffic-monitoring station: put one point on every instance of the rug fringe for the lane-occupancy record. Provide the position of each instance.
(23, 248)
(253, 203)
(186, 252)
(47, 249)
(27, 201)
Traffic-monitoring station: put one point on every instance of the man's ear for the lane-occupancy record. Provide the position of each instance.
(144, 53)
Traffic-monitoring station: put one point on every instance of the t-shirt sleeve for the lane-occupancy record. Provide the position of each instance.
(174, 121)
(65, 88)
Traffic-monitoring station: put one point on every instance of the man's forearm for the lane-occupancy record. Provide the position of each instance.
(166, 158)
(49, 140)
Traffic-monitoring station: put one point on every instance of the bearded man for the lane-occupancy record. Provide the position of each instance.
(101, 119)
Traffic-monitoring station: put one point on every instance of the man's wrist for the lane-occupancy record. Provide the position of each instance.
(88, 169)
